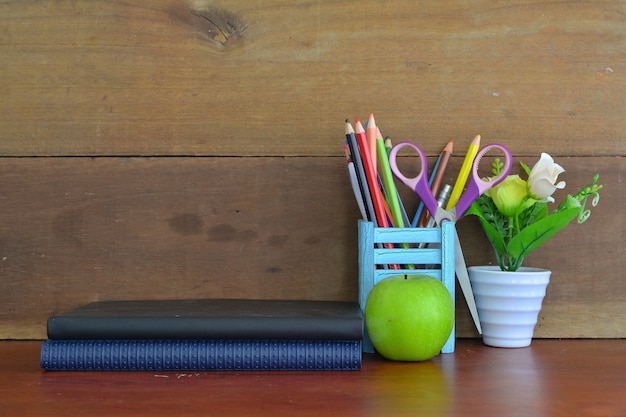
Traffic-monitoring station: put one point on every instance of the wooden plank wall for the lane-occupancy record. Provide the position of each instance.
(193, 148)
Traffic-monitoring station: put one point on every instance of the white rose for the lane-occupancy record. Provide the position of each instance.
(543, 176)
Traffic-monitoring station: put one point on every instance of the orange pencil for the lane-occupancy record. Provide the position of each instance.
(437, 179)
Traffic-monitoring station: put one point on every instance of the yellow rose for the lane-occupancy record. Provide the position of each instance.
(509, 195)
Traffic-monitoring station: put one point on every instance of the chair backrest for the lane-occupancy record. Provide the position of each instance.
(414, 250)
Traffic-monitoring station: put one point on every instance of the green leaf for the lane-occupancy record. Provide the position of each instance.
(475, 210)
(525, 168)
(494, 236)
(533, 214)
(541, 211)
(534, 235)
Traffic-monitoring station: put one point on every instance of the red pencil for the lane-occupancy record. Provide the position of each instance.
(370, 173)
(372, 180)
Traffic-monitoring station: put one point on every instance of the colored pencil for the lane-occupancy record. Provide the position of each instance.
(354, 182)
(437, 181)
(405, 217)
(360, 170)
(390, 188)
(372, 179)
(420, 207)
(388, 145)
(461, 179)
(372, 134)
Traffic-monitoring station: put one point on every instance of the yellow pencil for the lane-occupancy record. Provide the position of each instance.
(461, 179)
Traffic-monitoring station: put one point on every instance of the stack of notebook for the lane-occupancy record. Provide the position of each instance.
(215, 334)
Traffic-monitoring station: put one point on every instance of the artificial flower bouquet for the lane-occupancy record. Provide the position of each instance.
(515, 213)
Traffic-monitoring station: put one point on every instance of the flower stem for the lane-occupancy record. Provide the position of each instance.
(513, 224)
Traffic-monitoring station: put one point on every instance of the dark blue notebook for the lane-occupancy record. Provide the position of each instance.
(199, 355)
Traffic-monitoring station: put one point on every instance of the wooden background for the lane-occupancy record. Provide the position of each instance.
(193, 148)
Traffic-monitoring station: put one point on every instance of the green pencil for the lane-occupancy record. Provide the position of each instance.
(390, 187)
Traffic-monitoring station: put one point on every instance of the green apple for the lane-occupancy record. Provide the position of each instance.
(409, 317)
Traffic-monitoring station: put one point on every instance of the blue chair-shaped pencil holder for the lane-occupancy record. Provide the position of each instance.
(438, 255)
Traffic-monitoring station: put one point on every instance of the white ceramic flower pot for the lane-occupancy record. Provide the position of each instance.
(508, 303)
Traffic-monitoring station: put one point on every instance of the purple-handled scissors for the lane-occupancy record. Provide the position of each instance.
(475, 185)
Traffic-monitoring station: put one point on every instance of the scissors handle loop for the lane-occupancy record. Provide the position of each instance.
(476, 185)
(419, 183)
(484, 185)
(504, 171)
(409, 181)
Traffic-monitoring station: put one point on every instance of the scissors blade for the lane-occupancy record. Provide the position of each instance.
(463, 277)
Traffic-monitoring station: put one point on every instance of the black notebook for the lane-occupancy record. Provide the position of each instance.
(210, 319)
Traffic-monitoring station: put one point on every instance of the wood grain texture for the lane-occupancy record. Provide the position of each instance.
(185, 149)
(182, 77)
(556, 378)
(75, 230)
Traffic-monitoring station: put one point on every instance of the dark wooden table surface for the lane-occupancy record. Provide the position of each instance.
(550, 378)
